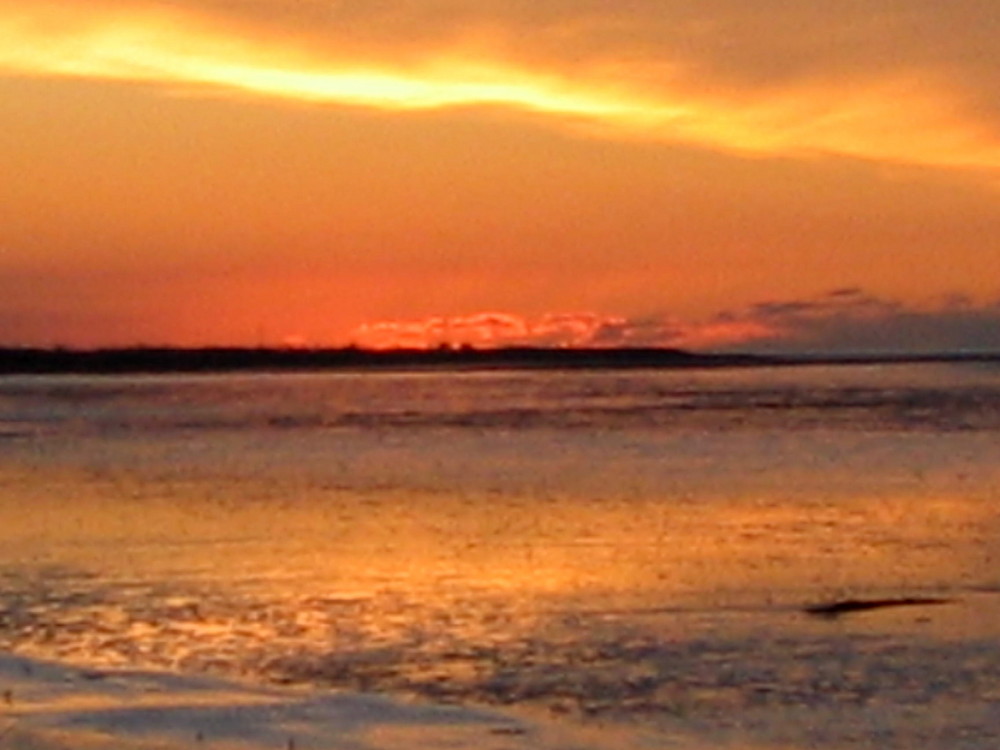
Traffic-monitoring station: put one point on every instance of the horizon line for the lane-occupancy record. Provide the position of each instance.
(205, 359)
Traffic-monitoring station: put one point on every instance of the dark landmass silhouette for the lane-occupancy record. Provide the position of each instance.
(26, 360)
(225, 359)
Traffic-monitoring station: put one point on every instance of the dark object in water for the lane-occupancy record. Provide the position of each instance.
(847, 606)
(508, 731)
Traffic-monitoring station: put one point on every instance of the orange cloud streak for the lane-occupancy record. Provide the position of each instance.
(488, 330)
(898, 119)
(173, 48)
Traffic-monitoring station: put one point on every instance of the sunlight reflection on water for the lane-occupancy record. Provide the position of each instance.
(588, 563)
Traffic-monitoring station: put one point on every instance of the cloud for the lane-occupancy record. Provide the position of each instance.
(851, 320)
(587, 329)
(842, 320)
(487, 329)
(911, 83)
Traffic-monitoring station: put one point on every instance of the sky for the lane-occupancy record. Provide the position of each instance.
(719, 175)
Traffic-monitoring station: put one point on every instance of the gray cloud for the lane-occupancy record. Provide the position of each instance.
(851, 320)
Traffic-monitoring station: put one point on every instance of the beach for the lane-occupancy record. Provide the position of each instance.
(502, 560)
(54, 706)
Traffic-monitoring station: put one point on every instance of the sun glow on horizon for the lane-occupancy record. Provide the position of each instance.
(898, 119)
(490, 330)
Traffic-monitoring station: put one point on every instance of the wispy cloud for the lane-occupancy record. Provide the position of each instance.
(842, 81)
(843, 320)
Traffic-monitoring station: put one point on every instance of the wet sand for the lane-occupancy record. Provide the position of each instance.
(50, 706)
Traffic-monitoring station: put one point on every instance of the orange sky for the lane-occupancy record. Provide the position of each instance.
(708, 175)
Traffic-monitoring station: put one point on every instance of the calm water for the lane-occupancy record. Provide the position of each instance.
(630, 548)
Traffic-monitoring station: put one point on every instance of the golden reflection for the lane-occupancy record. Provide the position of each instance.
(637, 552)
(447, 591)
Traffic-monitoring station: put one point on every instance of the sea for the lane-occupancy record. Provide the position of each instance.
(647, 551)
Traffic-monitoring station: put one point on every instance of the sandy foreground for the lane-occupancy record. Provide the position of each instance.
(54, 706)
(50, 706)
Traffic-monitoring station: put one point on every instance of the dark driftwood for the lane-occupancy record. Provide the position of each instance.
(848, 606)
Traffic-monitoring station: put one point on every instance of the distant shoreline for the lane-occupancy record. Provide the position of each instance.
(225, 359)
(153, 360)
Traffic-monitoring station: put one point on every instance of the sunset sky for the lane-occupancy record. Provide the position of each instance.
(717, 174)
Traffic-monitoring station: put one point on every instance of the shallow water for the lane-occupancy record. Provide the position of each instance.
(628, 548)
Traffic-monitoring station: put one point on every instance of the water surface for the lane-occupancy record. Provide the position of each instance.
(630, 548)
